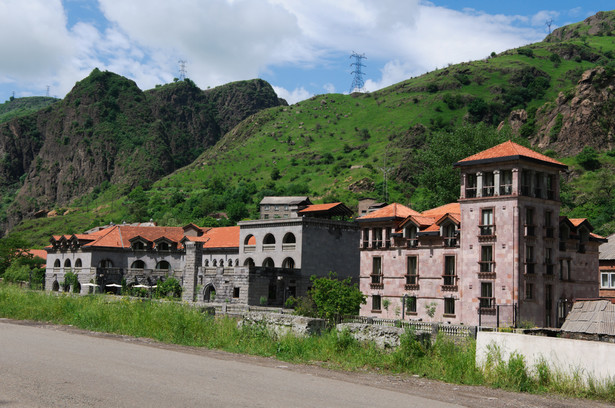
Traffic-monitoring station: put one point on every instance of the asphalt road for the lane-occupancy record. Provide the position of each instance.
(60, 366)
(46, 367)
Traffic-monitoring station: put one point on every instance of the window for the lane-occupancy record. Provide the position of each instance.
(607, 280)
(525, 182)
(486, 259)
(376, 269)
(268, 263)
(138, 265)
(235, 293)
(561, 269)
(411, 304)
(450, 240)
(375, 302)
(449, 306)
(549, 261)
(538, 185)
(471, 185)
(67, 263)
(162, 246)
(529, 259)
(288, 263)
(488, 184)
(529, 291)
(449, 271)
(277, 208)
(138, 245)
(411, 232)
(377, 238)
(163, 265)
(487, 228)
(365, 238)
(569, 262)
(529, 222)
(57, 263)
(412, 275)
(549, 230)
(486, 300)
(266, 207)
(506, 182)
(269, 239)
(551, 187)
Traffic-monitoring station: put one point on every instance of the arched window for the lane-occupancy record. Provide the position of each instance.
(289, 238)
(237, 262)
(57, 263)
(249, 262)
(163, 265)
(67, 263)
(288, 263)
(269, 239)
(250, 240)
(78, 263)
(207, 262)
(268, 263)
(221, 262)
(215, 263)
(163, 246)
(138, 265)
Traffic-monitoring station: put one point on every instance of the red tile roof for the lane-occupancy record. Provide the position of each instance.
(391, 211)
(119, 236)
(222, 237)
(577, 221)
(318, 207)
(508, 149)
(451, 208)
(41, 253)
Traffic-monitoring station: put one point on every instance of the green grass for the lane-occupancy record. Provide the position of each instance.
(173, 322)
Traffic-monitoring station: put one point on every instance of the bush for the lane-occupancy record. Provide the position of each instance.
(334, 298)
(17, 273)
(168, 288)
(588, 158)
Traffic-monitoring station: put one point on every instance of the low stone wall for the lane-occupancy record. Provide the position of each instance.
(282, 324)
(382, 336)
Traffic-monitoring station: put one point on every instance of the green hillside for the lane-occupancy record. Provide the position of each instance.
(339, 147)
(16, 107)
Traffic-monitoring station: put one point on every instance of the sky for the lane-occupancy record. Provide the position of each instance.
(301, 47)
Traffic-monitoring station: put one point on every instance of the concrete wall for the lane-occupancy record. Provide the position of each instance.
(586, 358)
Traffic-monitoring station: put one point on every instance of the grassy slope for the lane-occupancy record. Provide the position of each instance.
(24, 106)
(297, 140)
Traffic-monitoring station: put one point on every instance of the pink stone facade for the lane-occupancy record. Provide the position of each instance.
(507, 258)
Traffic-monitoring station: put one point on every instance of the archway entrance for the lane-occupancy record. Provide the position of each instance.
(210, 294)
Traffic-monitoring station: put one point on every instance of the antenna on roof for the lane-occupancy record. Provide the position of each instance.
(182, 69)
(357, 83)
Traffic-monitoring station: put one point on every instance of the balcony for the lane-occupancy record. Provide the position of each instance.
(409, 286)
(487, 230)
(289, 247)
(413, 243)
(488, 191)
(377, 244)
(268, 247)
(487, 266)
(506, 189)
(471, 192)
(450, 242)
(249, 248)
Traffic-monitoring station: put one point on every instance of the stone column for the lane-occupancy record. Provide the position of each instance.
(515, 181)
(463, 181)
(194, 255)
(479, 184)
(496, 182)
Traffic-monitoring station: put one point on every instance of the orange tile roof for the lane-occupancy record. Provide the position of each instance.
(319, 207)
(41, 253)
(451, 208)
(391, 211)
(455, 217)
(119, 236)
(432, 228)
(222, 237)
(420, 220)
(577, 221)
(508, 149)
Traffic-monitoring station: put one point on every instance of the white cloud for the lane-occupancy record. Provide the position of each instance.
(294, 96)
(540, 18)
(329, 87)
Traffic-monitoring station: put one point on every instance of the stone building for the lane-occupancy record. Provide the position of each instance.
(260, 261)
(607, 268)
(501, 255)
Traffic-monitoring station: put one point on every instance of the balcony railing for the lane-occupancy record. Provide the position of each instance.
(413, 243)
(487, 266)
(365, 244)
(506, 189)
(450, 241)
(412, 279)
(449, 280)
(377, 244)
(409, 286)
(249, 248)
(289, 247)
(268, 247)
(486, 302)
(471, 192)
(487, 230)
(376, 278)
(488, 191)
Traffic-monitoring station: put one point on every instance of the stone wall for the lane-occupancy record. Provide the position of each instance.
(282, 324)
(382, 336)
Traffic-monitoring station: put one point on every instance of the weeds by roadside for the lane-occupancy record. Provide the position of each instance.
(174, 322)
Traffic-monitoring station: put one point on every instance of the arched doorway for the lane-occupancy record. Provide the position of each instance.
(289, 263)
(55, 286)
(268, 263)
(209, 295)
(249, 262)
(139, 264)
(163, 265)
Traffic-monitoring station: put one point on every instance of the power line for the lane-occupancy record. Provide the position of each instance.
(357, 83)
(548, 23)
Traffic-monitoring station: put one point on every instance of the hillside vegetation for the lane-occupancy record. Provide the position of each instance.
(555, 95)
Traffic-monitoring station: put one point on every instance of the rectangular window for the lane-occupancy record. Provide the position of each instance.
(377, 238)
(506, 182)
(569, 270)
(471, 185)
(529, 291)
(529, 259)
(376, 269)
(549, 261)
(376, 302)
(449, 306)
(538, 185)
(235, 292)
(486, 300)
(488, 184)
(525, 182)
(486, 259)
(410, 232)
(551, 187)
(412, 275)
(449, 271)
(277, 208)
(561, 269)
(529, 222)
(549, 230)
(487, 227)
(411, 304)
(365, 238)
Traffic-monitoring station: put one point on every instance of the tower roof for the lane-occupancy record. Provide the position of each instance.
(507, 151)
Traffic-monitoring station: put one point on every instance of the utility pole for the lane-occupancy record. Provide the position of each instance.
(548, 23)
(357, 82)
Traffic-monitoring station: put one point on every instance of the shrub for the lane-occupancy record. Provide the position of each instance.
(588, 158)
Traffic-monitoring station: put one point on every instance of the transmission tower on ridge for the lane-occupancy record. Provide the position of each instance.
(182, 70)
(357, 82)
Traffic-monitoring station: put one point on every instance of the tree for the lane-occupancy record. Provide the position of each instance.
(137, 204)
(12, 248)
(334, 297)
